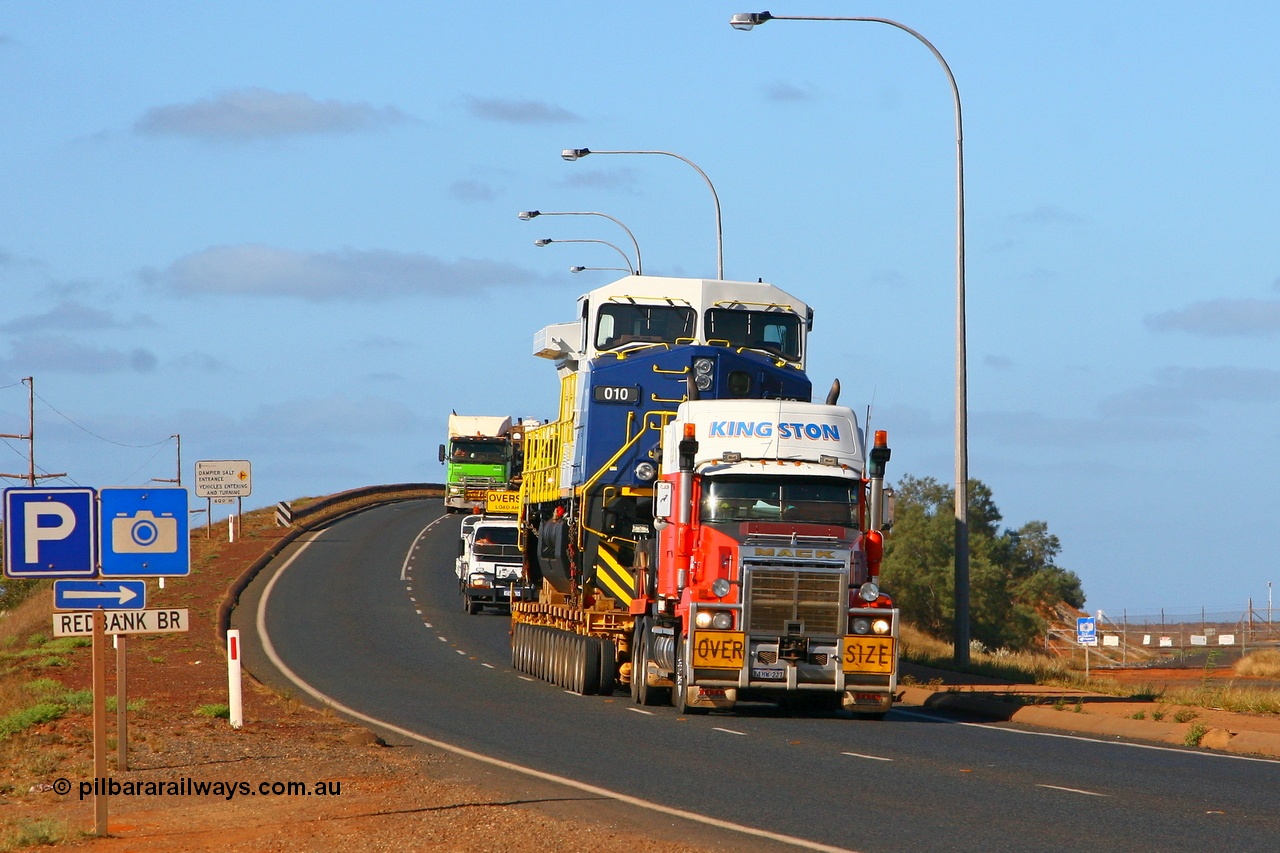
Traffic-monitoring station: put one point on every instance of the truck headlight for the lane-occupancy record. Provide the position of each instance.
(861, 625)
(869, 591)
(721, 587)
(880, 626)
(480, 580)
(646, 471)
(721, 620)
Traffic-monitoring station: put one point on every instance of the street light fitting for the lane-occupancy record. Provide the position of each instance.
(572, 154)
(547, 241)
(615, 269)
(961, 496)
(527, 215)
(747, 20)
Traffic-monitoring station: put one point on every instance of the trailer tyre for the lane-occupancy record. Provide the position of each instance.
(608, 667)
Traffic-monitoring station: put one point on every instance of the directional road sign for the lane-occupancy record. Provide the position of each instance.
(224, 478)
(145, 533)
(49, 533)
(111, 595)
(1087, 631)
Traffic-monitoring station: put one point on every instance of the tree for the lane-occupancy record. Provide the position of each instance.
(1013, 579)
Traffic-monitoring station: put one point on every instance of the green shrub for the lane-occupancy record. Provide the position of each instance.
(19, 721)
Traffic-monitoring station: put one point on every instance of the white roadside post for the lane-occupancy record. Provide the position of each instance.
(235, 699)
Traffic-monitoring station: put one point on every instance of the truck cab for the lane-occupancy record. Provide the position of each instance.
(489, 563)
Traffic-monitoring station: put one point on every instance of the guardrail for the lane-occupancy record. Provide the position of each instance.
(308, 518)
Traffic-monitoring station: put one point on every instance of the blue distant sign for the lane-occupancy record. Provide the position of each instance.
(1087, 631)
(90, 595)
(144, 532)
(49, 533)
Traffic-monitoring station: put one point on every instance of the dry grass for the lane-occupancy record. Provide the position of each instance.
(1261, 664)
(1022, 667)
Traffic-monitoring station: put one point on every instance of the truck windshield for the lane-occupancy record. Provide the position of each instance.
(803, 500)
(497, 541)
(619, 324)
(483, 451)
(771, 331)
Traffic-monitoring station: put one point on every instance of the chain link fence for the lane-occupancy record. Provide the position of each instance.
(1203, 639)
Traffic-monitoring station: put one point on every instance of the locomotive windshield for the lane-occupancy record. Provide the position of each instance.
(771, 331)
(619, 324)
(802, 500)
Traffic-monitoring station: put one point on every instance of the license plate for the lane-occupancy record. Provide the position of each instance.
(868, 654)
(768, 674)
(719, 649)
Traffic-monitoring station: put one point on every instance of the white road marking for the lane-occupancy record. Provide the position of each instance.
(1073, 790)
(428, 624)
(269, 650)
(487, 665)
(641, 711)
(404, 568)
(460, 651)
(442, 638)
(990, 727)
(868, 757)
(728, 731)
(524, 678)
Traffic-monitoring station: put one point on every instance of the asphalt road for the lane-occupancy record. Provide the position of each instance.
(367, 614)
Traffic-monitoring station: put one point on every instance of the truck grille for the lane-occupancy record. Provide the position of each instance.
(778, 596)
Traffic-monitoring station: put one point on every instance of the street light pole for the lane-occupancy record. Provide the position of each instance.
(572, 154)
(961, 634)
(526, 215)
(547, 241)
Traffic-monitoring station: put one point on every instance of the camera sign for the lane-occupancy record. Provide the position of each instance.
(144, 532)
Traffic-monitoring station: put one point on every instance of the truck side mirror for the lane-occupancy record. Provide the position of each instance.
(442, 453)
(890, 501)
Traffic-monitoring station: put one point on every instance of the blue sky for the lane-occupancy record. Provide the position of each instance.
(288, 233)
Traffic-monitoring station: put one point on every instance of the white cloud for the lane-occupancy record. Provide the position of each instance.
(55, 354)
(1181, 391)
(348, 274)
(520, 112)
(1219, 318)
(71, 314)
(257, 113)
(471, 191)
(613, 179)
(788, 93)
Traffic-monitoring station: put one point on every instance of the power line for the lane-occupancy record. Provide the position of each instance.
(99, 437)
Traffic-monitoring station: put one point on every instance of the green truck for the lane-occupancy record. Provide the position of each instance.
(483, 453)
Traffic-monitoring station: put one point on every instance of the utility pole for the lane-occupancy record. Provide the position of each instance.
(177, 479)
(31, 477)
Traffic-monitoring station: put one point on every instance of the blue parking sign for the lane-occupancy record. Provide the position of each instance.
(49, 533)
(1087, 631)
(144, 532)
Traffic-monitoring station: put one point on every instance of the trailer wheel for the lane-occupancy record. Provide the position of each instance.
(590, 665)
(608, 667)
